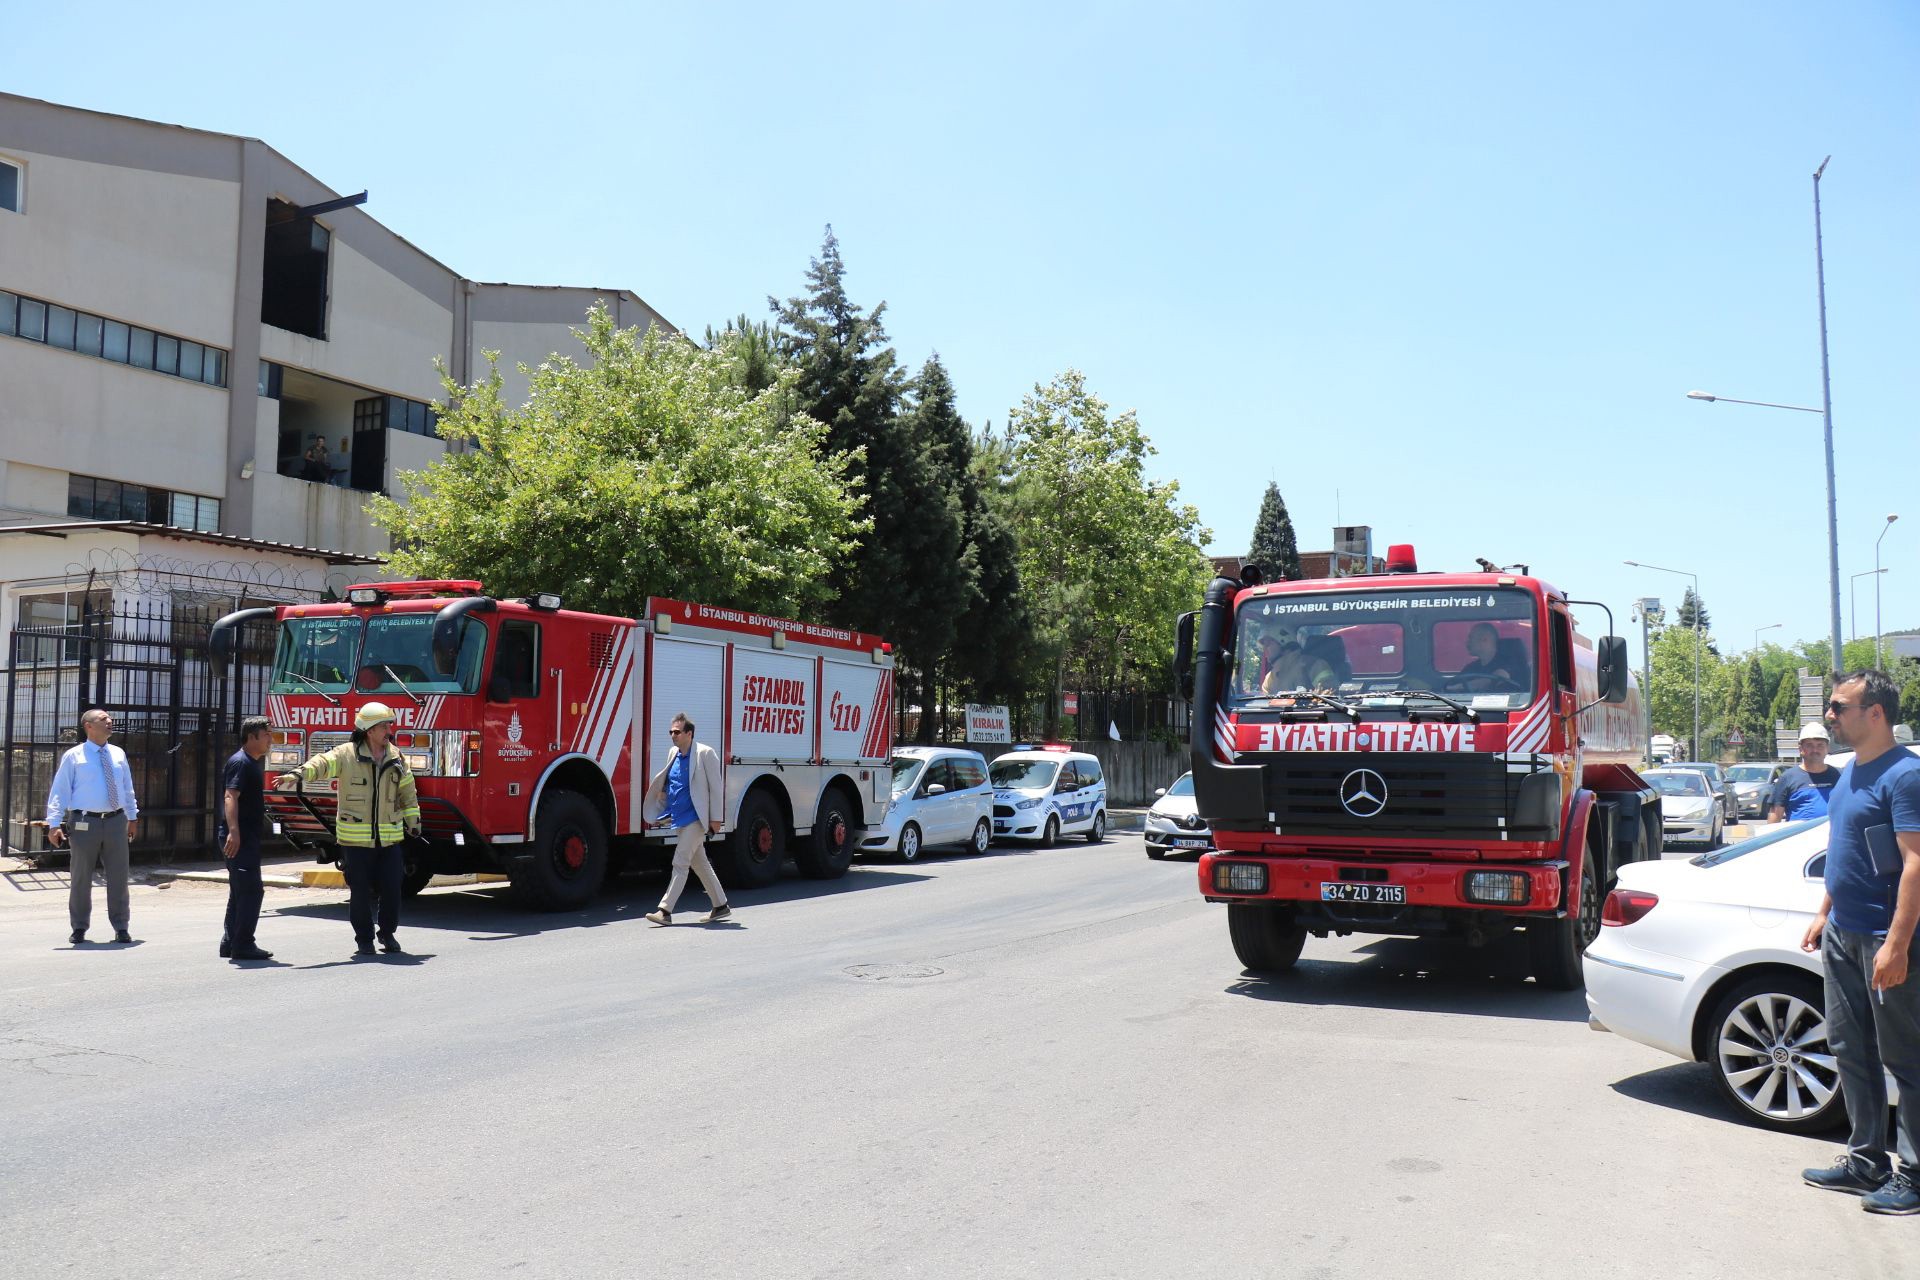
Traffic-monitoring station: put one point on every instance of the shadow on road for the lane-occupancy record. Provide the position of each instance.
(1682, 1086)
(490, 913)
(1422, 975)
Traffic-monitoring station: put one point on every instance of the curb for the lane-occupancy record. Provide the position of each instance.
(325, 878)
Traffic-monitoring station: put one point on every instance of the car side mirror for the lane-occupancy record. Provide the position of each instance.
(935, 789)
(1612, 668)
(1159, 793)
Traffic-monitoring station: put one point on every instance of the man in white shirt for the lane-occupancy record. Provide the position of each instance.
(92, 808)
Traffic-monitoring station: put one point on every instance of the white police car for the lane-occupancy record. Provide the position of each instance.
(1042, 793)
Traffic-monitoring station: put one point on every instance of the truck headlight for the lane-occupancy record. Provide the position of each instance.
(1507, 887)
(1239, 877)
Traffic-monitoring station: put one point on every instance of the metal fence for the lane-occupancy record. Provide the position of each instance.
(147, 667)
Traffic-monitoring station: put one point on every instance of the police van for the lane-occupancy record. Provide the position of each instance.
(1043, 793)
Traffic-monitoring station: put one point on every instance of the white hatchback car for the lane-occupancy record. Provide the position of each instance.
(1041, 793)
(1701, 958)
(940, 796)
(1174, 822)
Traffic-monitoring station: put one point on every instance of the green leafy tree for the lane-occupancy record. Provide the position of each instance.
(1754, 720)
(1108, 556)
(753, 350)
(905, 576)
(1910, 702)
(1671, 694)
(1691, 605)
(995, 658)
(645, 470)
(1786, 702)
(1275, 548)
(1733, 700)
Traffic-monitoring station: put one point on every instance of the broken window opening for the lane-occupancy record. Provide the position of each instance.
(293, 286)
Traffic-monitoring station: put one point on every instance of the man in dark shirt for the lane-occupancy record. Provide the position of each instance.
(1801, 792)
(243, 811)
(1864, 932)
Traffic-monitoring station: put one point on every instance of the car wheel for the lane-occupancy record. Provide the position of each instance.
(1715, 836)
(909, 843)
(1766, 1040)
(1155, 851)
(1050, 836)
(1098, 831)
(982, 837)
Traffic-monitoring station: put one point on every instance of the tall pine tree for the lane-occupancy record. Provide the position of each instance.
(1274, 548)
(1689, 605)
(1754, 721)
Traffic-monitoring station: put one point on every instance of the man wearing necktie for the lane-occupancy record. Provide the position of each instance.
(92, 808)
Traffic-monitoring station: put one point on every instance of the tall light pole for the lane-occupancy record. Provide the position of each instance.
(1647, 606)
(1694, 746)
(1876, 587)
(1757, 630)
(1833, 537)
(1826, 415)
(1853, 598)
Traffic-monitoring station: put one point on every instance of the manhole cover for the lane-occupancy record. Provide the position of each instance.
(893, 972)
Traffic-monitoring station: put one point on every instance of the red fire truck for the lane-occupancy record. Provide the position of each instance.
(534, 729)
(1414, 754)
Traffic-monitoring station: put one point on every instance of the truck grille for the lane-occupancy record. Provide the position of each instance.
(1459, 793)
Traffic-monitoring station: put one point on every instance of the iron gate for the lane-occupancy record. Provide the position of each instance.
(147, 667)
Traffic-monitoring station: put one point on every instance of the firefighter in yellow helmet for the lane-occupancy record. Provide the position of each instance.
(377, 808)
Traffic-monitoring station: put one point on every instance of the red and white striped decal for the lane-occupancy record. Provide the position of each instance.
(602, 731)
(1223, 736)
(429, 710)
(1531, 733)
(876, 744)
(277, 710)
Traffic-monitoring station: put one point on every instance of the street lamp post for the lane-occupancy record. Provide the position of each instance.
(1757, 630)
(1693, 746)
(1853, 599)
(1647, 606)
(1876, 588)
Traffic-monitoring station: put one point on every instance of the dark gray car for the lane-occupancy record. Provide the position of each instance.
(1718, 781)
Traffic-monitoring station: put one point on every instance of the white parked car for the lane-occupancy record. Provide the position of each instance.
(1042, 793)
(1701, 958)
(1690, 812)
(940, 796)
(1175, 823)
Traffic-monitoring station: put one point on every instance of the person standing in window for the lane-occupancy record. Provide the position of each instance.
(92, 808)
(317, 463)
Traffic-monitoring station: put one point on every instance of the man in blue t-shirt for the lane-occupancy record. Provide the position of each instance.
(1801, 792)
(243, 812)
(1864, 932)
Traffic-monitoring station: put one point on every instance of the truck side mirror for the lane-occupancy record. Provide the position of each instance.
(1612, 669)
(1183, 654)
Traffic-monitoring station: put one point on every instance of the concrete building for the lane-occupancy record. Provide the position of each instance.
(184, 315)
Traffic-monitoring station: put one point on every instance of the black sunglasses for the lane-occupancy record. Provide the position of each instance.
(1836, 706)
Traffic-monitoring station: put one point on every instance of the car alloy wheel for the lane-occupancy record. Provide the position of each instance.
(1772, 1054)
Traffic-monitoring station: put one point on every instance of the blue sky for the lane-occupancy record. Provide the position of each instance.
(1445, 270)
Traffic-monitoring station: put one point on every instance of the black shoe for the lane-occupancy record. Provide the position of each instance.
(252, 953)
(363, 949)
(1897, 1195)
(719, 913)
(226, 949)
(77, 937)
(391, 945)
(121, 935)
(1842, 1176)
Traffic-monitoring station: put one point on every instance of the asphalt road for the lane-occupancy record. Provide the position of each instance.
(1029, 1063)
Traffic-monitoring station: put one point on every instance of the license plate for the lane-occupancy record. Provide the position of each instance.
(1342, 891)
(1189, 844)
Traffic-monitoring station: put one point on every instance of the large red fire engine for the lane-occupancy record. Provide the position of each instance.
(534, 729)
(1412, 753)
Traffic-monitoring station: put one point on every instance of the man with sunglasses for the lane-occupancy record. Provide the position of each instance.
(689, 795)
(1864, 933)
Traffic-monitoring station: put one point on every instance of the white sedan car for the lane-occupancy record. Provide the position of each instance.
(1701, 959)
(1174, 821)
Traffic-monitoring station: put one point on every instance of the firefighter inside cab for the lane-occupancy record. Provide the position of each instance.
(377, 807)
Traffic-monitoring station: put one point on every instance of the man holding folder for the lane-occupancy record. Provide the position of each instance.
(1865, 934)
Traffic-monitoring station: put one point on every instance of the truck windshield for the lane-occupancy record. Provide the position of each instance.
(398, 656)
(1472, 644)
(316, 652)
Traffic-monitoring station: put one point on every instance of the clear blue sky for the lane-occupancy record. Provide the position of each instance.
(1458, 264)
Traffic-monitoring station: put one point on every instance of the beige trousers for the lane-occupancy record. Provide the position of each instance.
(690, 851)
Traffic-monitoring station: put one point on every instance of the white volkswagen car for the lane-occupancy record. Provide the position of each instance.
(940, 796)
(1701, 958)
(1174, 822)
(1041, 793)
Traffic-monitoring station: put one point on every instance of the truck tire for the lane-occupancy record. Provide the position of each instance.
(569, 861)
(1264, 936)
(1555, 946)
(828, 851)
(418, 876)
(757, 846)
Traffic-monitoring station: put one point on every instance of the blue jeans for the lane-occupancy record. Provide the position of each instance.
(1871, 1039)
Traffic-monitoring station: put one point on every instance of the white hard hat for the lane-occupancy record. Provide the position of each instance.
(380, 713)
(1814, 729)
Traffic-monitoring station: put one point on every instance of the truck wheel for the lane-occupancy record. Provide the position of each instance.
(569, 854)
(419, 874)
(758, 845)
(1555, 946)
(828, 852)
(1264, 937)
(1767, 1045)
(1098, 831)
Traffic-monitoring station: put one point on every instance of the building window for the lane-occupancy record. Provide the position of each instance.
(293, 275)
(96, 498)
(269, 380)
(9, 186)
(112, 340)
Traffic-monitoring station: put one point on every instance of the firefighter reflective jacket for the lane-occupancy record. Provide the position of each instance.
(377, 804)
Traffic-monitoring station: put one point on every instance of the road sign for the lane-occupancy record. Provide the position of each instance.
(1736, 739)
(1070, 704)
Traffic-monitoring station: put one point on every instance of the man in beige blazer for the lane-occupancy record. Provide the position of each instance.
(689, 795)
